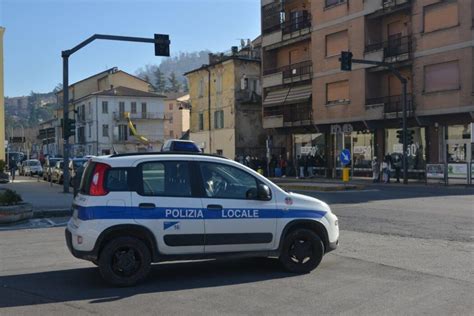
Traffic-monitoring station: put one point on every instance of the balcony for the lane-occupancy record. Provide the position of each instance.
(390, 6)
(298, 25)
(121, 116)
(396, 49)
(287, 74)
(392, 106)
(288, 115)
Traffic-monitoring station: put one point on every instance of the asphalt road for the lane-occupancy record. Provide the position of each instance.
(402, 251)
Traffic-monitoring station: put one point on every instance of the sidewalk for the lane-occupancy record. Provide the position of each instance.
(46, 200)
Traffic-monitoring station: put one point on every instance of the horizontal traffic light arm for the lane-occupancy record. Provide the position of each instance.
(380, 63)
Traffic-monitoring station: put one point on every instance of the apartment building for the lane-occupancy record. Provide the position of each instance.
(225, 99)
(84, 106)
(2, 107)
(119, 120)
(177, 111)
(429, 42)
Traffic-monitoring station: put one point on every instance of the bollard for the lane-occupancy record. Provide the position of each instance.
(345, 174)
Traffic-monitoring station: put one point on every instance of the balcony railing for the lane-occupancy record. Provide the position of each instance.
(395, 46)
(297, 23)
(392, 104)
(390, 4)
(291, 113)
(293, 70)
(141, 116)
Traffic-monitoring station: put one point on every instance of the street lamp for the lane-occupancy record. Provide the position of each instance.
(162, 48)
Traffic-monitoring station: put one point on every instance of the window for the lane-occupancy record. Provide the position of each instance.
(121, 108)
(133, 107)
(440, 16)
(89, 110)
(336, 42)
(330, 3)
(443, 76)
(219, 84)
(219, 119)
(220, 152)
(201, 121)
(170, 106)
(81, 134)
(201, 87)
(105, 107)
(123, 132)
(144, 111)
(117, 180)
(337, 92)
(222, 181)
(89, 130)
(105, 130)
(168, 178)
(171, 134)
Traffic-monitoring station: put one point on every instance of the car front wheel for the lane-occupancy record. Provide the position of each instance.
(302, 251)
(124, 261)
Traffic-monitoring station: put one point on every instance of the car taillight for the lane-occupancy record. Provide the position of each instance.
(98, 179)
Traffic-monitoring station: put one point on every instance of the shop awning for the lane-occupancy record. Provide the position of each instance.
(276, 97)
(299, 94)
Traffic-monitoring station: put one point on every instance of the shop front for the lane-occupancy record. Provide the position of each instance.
(459, 153)
(310, 152)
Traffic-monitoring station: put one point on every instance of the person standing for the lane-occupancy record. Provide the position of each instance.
(12, 166)
(283, 165)
(388, 160)
(375, 170)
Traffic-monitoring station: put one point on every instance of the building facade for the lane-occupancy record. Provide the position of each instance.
(105, 119)
(429, 42)
(2, 105)
(226, 104)
(177, 111)
(100, 82)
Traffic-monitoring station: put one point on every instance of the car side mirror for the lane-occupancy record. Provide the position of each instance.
(264, 193)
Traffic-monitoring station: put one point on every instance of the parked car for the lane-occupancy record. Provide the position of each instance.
(48, 167)
(75, 166)
(179, 145)
(32, 167)
(57, 173)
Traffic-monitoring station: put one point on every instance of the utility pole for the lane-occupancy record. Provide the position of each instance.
(346, 65)
(162, 48)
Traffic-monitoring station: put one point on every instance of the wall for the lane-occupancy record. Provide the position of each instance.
(2, 109)
(124, 79)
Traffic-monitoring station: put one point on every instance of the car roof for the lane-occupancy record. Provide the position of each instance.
(126, 160)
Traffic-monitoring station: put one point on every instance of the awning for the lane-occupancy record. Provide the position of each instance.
(299, 94)
(276, 97)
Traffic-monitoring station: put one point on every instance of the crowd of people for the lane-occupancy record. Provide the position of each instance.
(381, 172)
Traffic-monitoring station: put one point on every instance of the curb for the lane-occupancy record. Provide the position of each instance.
(52, 213)
(322, 188)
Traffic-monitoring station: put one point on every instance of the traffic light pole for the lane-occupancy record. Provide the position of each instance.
(161, 49)
(403, 80)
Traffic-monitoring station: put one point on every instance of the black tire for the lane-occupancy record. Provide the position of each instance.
(124, 261)
(302, 251)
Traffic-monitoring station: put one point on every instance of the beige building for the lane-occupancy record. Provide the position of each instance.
(227, 121)
(178, 114)
(2, 105)
(429, 42)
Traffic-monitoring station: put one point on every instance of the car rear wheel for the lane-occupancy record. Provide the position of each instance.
(302, 251)
(124, 261)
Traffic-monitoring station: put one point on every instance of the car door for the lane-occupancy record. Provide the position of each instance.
(165, 201)
(235, 220)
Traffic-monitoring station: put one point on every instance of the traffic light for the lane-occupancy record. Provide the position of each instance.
(400, 136)
(410, 137)
(346, 61)
(162, 45)
(69, 129)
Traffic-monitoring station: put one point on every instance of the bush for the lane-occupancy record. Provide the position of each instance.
(2, 165)
(9, 197)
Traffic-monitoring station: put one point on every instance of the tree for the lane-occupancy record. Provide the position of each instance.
(175, 85)
(160, 81)
(185, 85)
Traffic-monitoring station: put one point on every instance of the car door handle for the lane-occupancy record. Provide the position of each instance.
(146, 205)
(214, 207)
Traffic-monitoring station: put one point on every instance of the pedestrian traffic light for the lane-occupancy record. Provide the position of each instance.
(162, 45)
(346, 61)
(400, 136)
(410, 137)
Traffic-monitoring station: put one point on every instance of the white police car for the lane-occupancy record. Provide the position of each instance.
(135, 209)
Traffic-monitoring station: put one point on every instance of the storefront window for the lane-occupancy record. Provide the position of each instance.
(312, 145)
(459, 132)
(416, 152)
(363, 147)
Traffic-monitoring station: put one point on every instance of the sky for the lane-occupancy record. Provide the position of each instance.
(38, 30)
